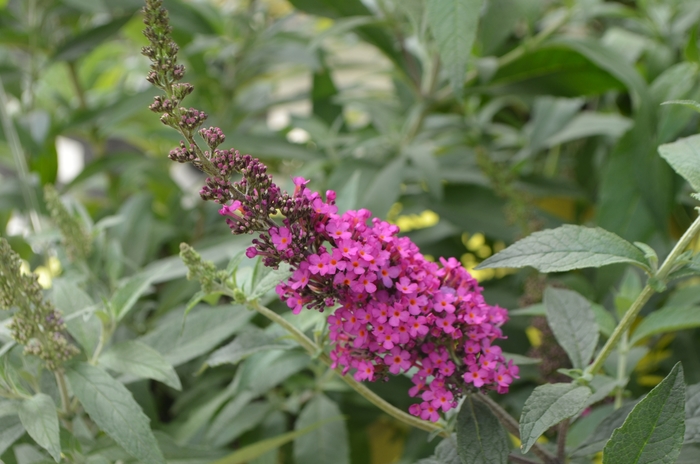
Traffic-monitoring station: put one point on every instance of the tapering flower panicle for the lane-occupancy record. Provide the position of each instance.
(76, 239)
(36, 324)
(395, 312)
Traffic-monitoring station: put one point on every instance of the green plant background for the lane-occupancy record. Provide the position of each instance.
(558, 121)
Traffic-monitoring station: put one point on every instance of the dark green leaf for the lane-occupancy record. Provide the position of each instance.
(480, 437)
(86, 41)
(547, 406)
(40, 420)
(138, 359)
(573, 323)
(322, 92)
(325, 444)
(684, 157)
(667, 319)
(565, 248)
(454, 25)
(111, 406)
(653, 431)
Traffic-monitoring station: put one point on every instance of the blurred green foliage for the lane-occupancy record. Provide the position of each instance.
(556, 119)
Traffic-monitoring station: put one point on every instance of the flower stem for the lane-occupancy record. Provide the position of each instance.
(646, 293)
(314, 350)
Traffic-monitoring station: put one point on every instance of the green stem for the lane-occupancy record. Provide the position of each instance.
(20, 161)
(63, 391)
(622, 352)
(314, 350)
(643, 297)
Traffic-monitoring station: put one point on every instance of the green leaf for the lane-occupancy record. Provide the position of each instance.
(40, 420)
(385, 188)
(270, 280)
(573, 323)
(454, 24)
(138, 359)
(246, 344)
(480, 437)
(323, 90)
(684, 157)
(324, 444)
(653, 431)
(554, 69)
(600, 436)
(692, 104)
(126, 296)
(588, 124)
(547, 406)
(88, 40)
(11, 430)
(233, 421)
(111, 406)
(259, 448)
(565, 248)
(203, 331)
(667, 319)
(71, 300)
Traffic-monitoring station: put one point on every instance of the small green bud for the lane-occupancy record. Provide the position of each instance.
(239, 297)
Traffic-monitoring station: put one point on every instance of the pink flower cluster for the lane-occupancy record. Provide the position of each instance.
(396, 312)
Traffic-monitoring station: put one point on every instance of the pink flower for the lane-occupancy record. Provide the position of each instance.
(281, 237)
(398, 360)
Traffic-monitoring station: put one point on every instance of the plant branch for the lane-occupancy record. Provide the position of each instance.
(561, 441)
(512, 426)
(520, 459)
(646, 293)
(314, 350)
(63, 391)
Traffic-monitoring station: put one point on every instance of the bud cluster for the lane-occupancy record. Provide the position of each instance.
(203, 271)
(36, 324)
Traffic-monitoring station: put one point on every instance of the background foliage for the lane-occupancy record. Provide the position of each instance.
(557, 120)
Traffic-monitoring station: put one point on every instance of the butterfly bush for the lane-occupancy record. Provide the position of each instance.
(393, 311)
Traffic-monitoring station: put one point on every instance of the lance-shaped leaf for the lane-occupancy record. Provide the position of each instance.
(325, 444)
(547, 406)
(111, 406)
(246, 344)
(454, 25)
(480, 437)
(653, 431)
(573, 323)
(40, 420)
(684, 157)
(668, 319)
(135, 358)
(565, 248)
(126, 296)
